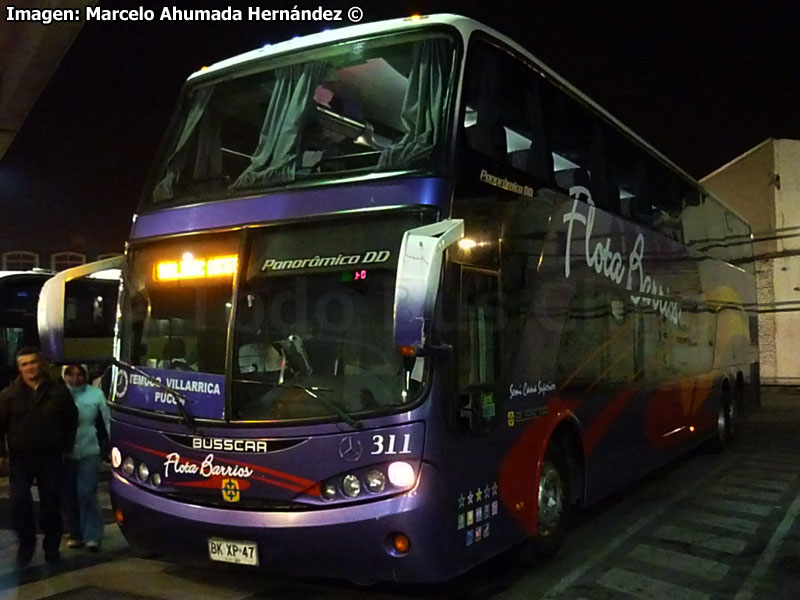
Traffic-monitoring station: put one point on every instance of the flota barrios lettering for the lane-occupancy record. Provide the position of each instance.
(612, 264)
(205, 469)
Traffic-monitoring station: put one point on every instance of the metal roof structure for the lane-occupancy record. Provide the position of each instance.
(29, 55)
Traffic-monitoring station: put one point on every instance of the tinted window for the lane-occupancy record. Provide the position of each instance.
(502, 110)
(576, 143)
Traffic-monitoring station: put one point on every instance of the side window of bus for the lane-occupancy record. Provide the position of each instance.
(666, 191)
(478, 349)
(576, 144)
(644, 190)
(627, 177)
(11, 340)
(502, 111)
(19, 300)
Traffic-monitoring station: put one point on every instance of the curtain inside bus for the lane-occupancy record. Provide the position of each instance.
(164, 188)
(275, 159)
(423, 106)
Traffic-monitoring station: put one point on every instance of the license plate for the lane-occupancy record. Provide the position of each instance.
(229, 551)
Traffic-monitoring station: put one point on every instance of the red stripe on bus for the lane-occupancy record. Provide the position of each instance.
(298, 483)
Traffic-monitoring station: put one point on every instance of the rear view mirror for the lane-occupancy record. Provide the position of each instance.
(418, 273)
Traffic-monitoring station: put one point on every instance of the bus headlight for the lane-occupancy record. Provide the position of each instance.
(401, 474)
(328, 490)
(143, 472)
(156, 479)
(128, 466)
(351, 486)
(375, 481)
(116, 457)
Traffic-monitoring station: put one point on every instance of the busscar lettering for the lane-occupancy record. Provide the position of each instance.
(229, 445)
(610, 263)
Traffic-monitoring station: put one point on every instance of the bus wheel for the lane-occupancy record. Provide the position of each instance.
(553, 509)
(726, 423)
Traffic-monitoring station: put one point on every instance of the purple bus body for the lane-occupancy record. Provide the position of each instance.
(284, 206)
(472, 498)
(318, 538)
(322, 539)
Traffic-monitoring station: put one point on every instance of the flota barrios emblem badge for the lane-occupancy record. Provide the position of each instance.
(230, 490)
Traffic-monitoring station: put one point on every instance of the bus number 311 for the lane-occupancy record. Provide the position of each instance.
(384, 446)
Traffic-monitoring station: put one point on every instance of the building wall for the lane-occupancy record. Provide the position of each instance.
(787, 266)
(763, 185)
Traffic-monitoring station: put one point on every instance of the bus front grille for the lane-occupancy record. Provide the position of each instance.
(254, 504)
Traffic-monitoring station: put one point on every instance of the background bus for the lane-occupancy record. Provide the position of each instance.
(90, 313)
(398, 298)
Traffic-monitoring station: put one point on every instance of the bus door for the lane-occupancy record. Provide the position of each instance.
(478, 350)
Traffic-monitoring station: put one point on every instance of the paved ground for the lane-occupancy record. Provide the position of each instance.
(706, 527)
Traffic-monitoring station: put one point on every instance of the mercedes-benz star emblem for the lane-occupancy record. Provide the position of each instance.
(350, 449)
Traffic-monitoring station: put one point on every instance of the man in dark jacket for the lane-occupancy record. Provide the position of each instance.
(38, 419)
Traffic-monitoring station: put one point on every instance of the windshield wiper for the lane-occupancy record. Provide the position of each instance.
(184, 414)
(329, 404)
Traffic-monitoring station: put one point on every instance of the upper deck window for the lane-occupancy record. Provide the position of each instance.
(349, 109)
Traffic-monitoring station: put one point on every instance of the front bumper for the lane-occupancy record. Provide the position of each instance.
(349, 542)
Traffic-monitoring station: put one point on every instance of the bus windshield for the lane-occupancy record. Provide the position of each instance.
(354, 108)
(176, 305)
(313, 335)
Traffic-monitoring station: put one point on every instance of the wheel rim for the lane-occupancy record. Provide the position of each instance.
(551, 499)
(730, 415)
(722, 422)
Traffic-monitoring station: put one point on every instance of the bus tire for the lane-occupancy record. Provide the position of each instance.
(554, 508)
(726, 423)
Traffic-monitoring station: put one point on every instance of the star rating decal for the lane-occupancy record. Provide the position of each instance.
(473, 523)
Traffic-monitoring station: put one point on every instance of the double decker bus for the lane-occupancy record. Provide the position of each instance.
(398, 298)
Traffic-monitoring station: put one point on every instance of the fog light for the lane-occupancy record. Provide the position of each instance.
(128, 466)
(156, 479)
(351, 486)
(328, 490)
(116, 457)
(401, 474)
(375, 481)
(143, 472)
(401, 543)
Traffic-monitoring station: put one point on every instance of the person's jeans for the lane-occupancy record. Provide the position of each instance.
(69, 499)
(91, 517)
(46, 470)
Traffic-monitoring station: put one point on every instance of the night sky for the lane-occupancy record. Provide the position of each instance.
(702, 81)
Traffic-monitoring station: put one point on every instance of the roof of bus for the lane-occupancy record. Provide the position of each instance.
(38, 273)
(107, 274)
(465, 26)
